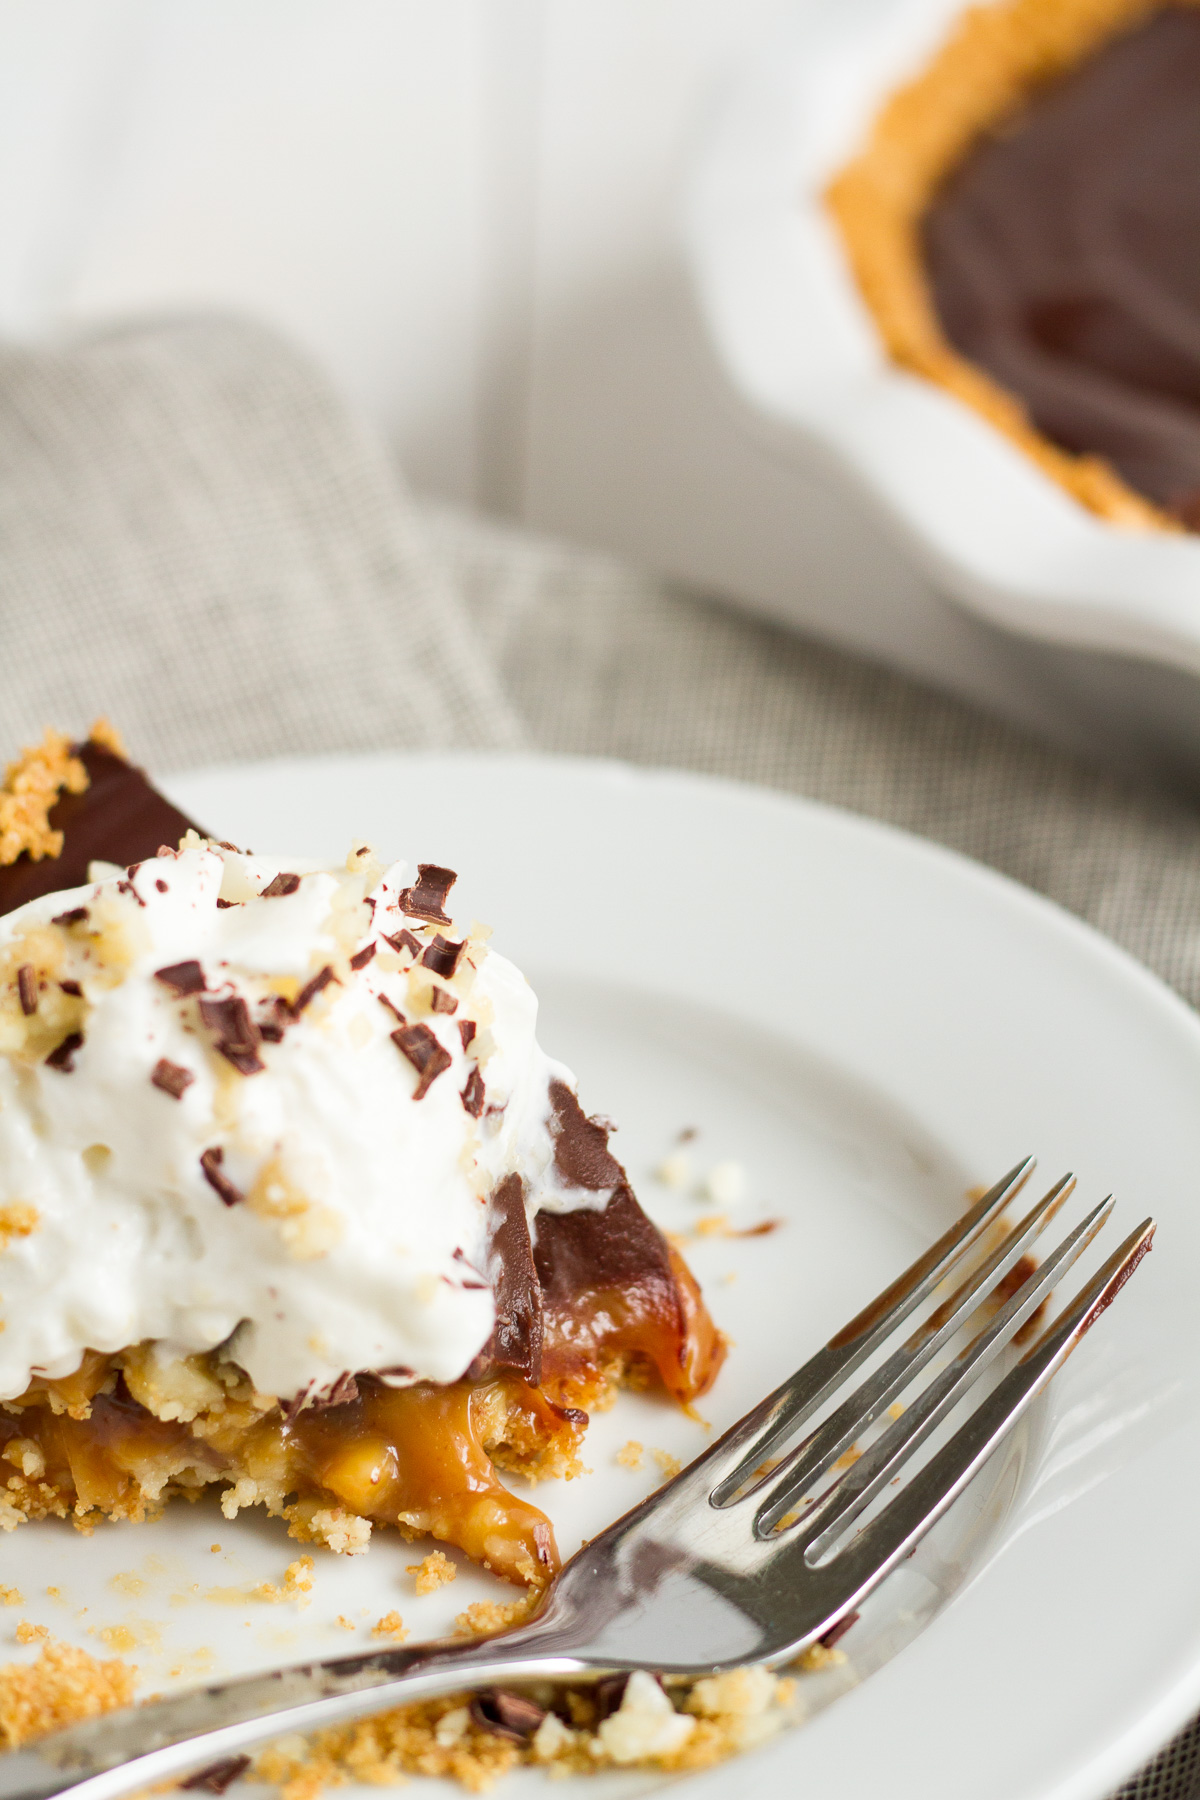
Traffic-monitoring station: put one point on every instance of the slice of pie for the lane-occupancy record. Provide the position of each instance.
(291, 1200)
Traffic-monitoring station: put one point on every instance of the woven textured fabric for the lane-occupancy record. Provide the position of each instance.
(602, 660)
(199, 542)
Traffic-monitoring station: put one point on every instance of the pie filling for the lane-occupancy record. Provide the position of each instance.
(587, 1296)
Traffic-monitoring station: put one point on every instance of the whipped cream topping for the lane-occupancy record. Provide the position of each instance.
(260, 1102)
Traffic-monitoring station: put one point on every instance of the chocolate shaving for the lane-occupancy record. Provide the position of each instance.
(838, 1631)
(339, 1393)
(404, 940)
(127, 887)
(442, 1002)
(64, 1056)
(224, 905)
(162, 887)
(210, 1163)
(401, 1371)
(27, 989)
(273, 1020)
(426, 899)
(392, 1008)
(425, 1054)
(237, 1036)
(442, 956)
(473, 1095)
(362, 957)
(513, 1717)
(282, 885)
(218, 1776)
(608, 1694)
(75, 915)
(466, 1031)
(295, 1406)
(73, 988)
(224, 844)
(182, 978)
(311, 989)
(171, 1078)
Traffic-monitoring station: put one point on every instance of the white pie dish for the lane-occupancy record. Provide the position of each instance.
(801, 350)
(868, 1023)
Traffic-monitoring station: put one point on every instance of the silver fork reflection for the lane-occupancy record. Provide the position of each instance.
(755, 1551)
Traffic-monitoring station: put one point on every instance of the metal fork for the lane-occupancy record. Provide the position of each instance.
(749, 1555)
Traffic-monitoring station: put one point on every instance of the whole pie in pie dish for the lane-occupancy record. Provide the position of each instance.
(292, 1203)
(1022, 222)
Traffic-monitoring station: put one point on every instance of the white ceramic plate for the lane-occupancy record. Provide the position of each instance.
(801, 349)
(868, 1025)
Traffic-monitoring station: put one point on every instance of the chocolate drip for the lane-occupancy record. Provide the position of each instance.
(119, 818)
(591, 1250)
(581, 1153)
(1064, 256)
(516, 1341)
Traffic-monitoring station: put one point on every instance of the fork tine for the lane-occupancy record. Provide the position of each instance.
(859, 1410)
(775, 1418)
(887, 1539)
(853, 1492)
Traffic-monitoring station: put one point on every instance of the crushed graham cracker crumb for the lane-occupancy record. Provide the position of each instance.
(296, 1581)
(11, 1596)
(390, 1626)
(28, 1633)
(630, 1455)
(691, 1726)
(32, 784)
(434, 1572)
(669, 1465)
(345, 1623)
(63, 1686)
(991, 63)
(105, 733)
(484, 1616)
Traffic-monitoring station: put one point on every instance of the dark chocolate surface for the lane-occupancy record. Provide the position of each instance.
(1064, 257)
(119, 818)
(517, 1337)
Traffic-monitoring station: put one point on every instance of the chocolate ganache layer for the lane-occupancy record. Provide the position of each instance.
(1064, 258)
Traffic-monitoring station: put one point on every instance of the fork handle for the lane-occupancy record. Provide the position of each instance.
(163, 1740)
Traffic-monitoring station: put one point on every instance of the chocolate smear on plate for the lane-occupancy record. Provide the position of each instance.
(426, 899)
(425, 1054)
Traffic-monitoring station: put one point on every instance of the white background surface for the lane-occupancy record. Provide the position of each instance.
(470, 212)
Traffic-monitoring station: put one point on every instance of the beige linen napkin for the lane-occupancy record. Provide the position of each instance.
(197, 539)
